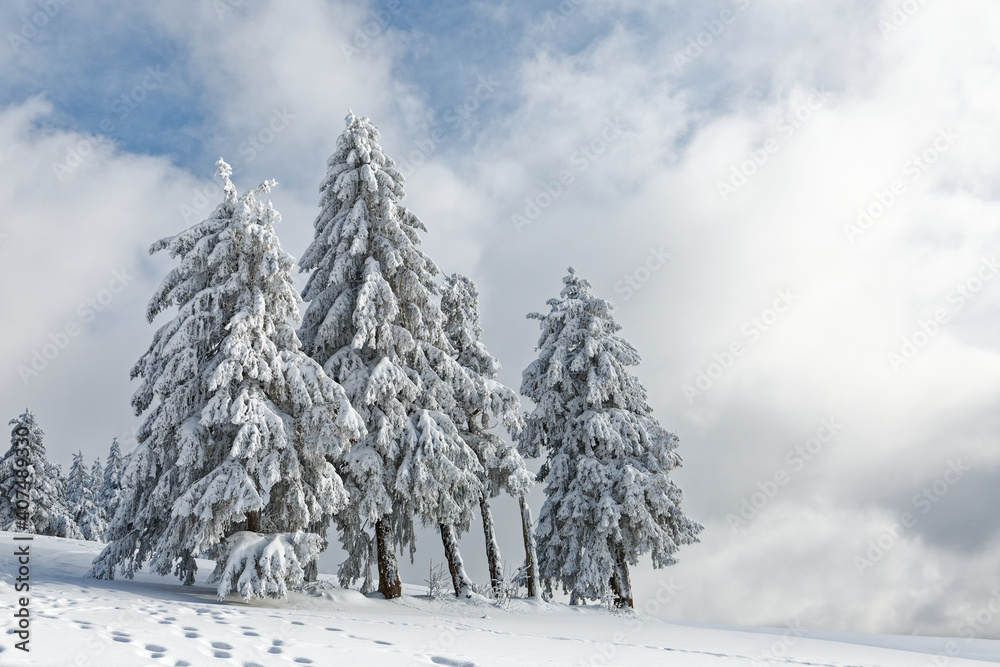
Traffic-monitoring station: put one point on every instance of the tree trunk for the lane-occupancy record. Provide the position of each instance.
(311, 571)
(253, 522)
(621, 584)
(492, 548)
(530, 549)
(186, 568)
(388, 573)
(459, 579)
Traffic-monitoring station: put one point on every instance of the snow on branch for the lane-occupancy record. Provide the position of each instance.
(264, 566)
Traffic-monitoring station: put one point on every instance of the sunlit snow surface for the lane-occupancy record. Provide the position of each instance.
(152, 620)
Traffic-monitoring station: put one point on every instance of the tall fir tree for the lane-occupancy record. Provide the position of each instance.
(241, 426)
(83, 501)
(110, 492)
(478, 414)
(374, 323)
(33, 489)
(609, 496)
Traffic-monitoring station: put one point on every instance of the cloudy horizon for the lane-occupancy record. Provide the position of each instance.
(793, 208)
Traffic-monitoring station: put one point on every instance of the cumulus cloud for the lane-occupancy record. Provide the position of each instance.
(76, 279)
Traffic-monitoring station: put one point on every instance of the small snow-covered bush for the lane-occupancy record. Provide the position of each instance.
(436, 581)
(255, 565)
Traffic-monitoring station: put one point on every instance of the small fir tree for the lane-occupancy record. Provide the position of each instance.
(33, 489)
(609, 496)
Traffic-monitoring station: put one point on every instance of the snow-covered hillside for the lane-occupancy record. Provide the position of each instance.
(82, 622)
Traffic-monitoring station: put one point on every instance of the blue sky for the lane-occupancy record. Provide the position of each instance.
(745, 138)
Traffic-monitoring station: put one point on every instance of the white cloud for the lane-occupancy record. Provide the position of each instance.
(73, 262)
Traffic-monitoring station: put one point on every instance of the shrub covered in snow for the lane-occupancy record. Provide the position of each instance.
(264, 566)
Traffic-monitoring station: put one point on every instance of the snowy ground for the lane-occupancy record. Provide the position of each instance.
(154, 621)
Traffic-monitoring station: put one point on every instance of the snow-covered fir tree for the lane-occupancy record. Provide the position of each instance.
(609, 496)
(96, 478)
(82, 500)
(32, 488)
(477, 414)
(110, 492)
(374, 323)
(241, 426)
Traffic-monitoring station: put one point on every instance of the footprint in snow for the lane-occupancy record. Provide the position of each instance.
(222, 649)
(156, 651)
(334, 629)
(304, 661)
(275, 649)
(448, 662)
(249, 633)
(122, 637)
(297, 623)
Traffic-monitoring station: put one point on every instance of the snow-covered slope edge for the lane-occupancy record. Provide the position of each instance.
(152, 620)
